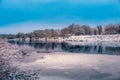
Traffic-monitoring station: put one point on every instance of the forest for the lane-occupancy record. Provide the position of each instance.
(71, 30)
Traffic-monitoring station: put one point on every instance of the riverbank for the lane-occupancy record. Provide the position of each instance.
(81, 38)
(66, 66)
(63, 65)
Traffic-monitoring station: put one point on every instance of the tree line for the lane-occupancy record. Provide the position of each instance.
(73, 29)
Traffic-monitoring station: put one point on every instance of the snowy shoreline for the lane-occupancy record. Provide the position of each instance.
(66, 66)
(81, 38)
(84, 66)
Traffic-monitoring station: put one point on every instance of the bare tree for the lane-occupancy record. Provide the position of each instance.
(110, 29)
(64, 32)
(87, 30)
(118, 28)
(100, 30)
(73, 29)
(95, 32)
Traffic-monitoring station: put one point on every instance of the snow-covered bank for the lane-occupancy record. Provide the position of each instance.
(81, 38)
(95, 38)
(9, 55)
(63, 65)
(8, 51)
(66, 66)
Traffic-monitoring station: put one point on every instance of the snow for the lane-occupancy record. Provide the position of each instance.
(65, 66)
(54, 78)
(82, 38)
(95, 38)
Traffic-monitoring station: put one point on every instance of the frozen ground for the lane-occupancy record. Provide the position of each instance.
(84, 38)
(95, 38)
(66, 66)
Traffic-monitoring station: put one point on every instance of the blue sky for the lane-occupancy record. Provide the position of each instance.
(28, 15)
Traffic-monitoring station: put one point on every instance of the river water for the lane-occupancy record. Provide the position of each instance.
(112, 48)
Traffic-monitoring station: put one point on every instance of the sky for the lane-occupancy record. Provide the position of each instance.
(28, 15)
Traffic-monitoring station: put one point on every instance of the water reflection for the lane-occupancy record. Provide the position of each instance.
(99, 48)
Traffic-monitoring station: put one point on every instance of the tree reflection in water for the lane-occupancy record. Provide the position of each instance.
(66, 47)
